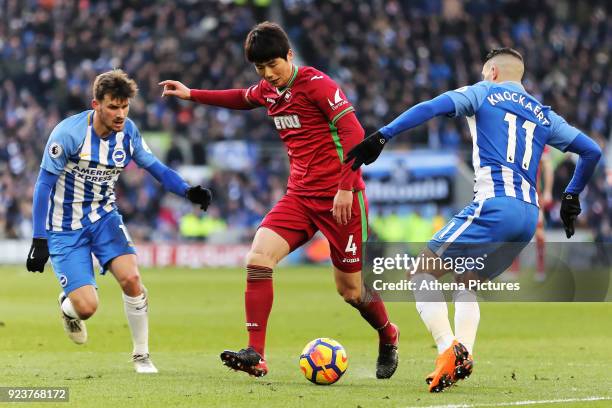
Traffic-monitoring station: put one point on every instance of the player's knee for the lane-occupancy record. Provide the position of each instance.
(352, 296)
(87, 312)
(85, 308)
(131, 284)
(261, 258)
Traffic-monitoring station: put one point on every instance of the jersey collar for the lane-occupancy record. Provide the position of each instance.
(291, 80)
(515, 84)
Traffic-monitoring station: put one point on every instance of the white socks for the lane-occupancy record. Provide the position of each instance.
(432, 307)
(68, 309)
(467, 317)
(433, 310)
(136, 310)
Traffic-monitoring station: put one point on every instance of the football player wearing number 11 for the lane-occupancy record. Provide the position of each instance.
(75, 215)
(509, 129)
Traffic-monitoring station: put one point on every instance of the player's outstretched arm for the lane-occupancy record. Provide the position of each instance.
(419, 114)
(173, 182)
(39, 251)
(228, 98)
(589, 153)
(370, 148)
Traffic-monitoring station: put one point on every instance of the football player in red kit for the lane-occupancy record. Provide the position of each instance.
(318, 125)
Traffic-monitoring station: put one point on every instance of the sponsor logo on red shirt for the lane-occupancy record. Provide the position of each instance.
(338, 101)
(287, 122)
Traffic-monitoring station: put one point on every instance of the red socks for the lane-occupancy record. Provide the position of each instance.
(258, 304)
(258, 299)
(373, 310)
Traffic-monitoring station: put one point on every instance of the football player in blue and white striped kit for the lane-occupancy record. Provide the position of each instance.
(75, 214)
(509, 129)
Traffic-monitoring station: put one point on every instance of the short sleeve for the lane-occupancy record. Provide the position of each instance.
(329, 98)
(561, 133)
(468, 99)
(254, 95)
(58, 149)
(142, 154)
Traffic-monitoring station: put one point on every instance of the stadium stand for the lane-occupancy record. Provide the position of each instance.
(51, 51)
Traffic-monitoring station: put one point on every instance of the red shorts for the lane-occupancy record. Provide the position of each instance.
(298, 218)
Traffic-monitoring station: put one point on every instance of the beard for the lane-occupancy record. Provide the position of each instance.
(111, 124)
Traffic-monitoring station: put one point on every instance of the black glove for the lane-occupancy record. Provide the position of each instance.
(199, 195)
(38, 256)
(367, 151)
(570, 208)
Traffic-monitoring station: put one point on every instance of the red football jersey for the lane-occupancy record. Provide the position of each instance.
(305, 113)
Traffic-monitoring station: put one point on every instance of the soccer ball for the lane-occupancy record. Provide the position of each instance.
(323, 361)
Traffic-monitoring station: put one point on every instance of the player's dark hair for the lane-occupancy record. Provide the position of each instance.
(265, 42)
(503, 51)
(116, 83)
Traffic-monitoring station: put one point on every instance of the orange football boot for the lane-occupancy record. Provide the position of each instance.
(464, 370)
(447, 365)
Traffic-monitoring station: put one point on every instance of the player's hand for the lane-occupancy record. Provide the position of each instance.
(175, 88)
(570, 208)
(38, 255)
(367, 151)
(343, 204)
(199, 195)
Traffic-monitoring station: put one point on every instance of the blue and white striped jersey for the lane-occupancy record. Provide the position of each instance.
(88, 168)
(509, 129)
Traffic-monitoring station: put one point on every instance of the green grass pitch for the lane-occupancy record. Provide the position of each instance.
(524, 351)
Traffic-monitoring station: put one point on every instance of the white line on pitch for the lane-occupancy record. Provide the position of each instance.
(516, 403)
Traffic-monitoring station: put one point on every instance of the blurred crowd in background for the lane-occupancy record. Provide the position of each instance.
(387, 56)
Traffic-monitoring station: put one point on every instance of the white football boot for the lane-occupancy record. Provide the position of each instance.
(143, 364)
(74, 328)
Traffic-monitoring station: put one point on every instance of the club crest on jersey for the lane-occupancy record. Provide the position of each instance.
(338, 101)
(287, 122)
(55, 150)
(119, 156)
